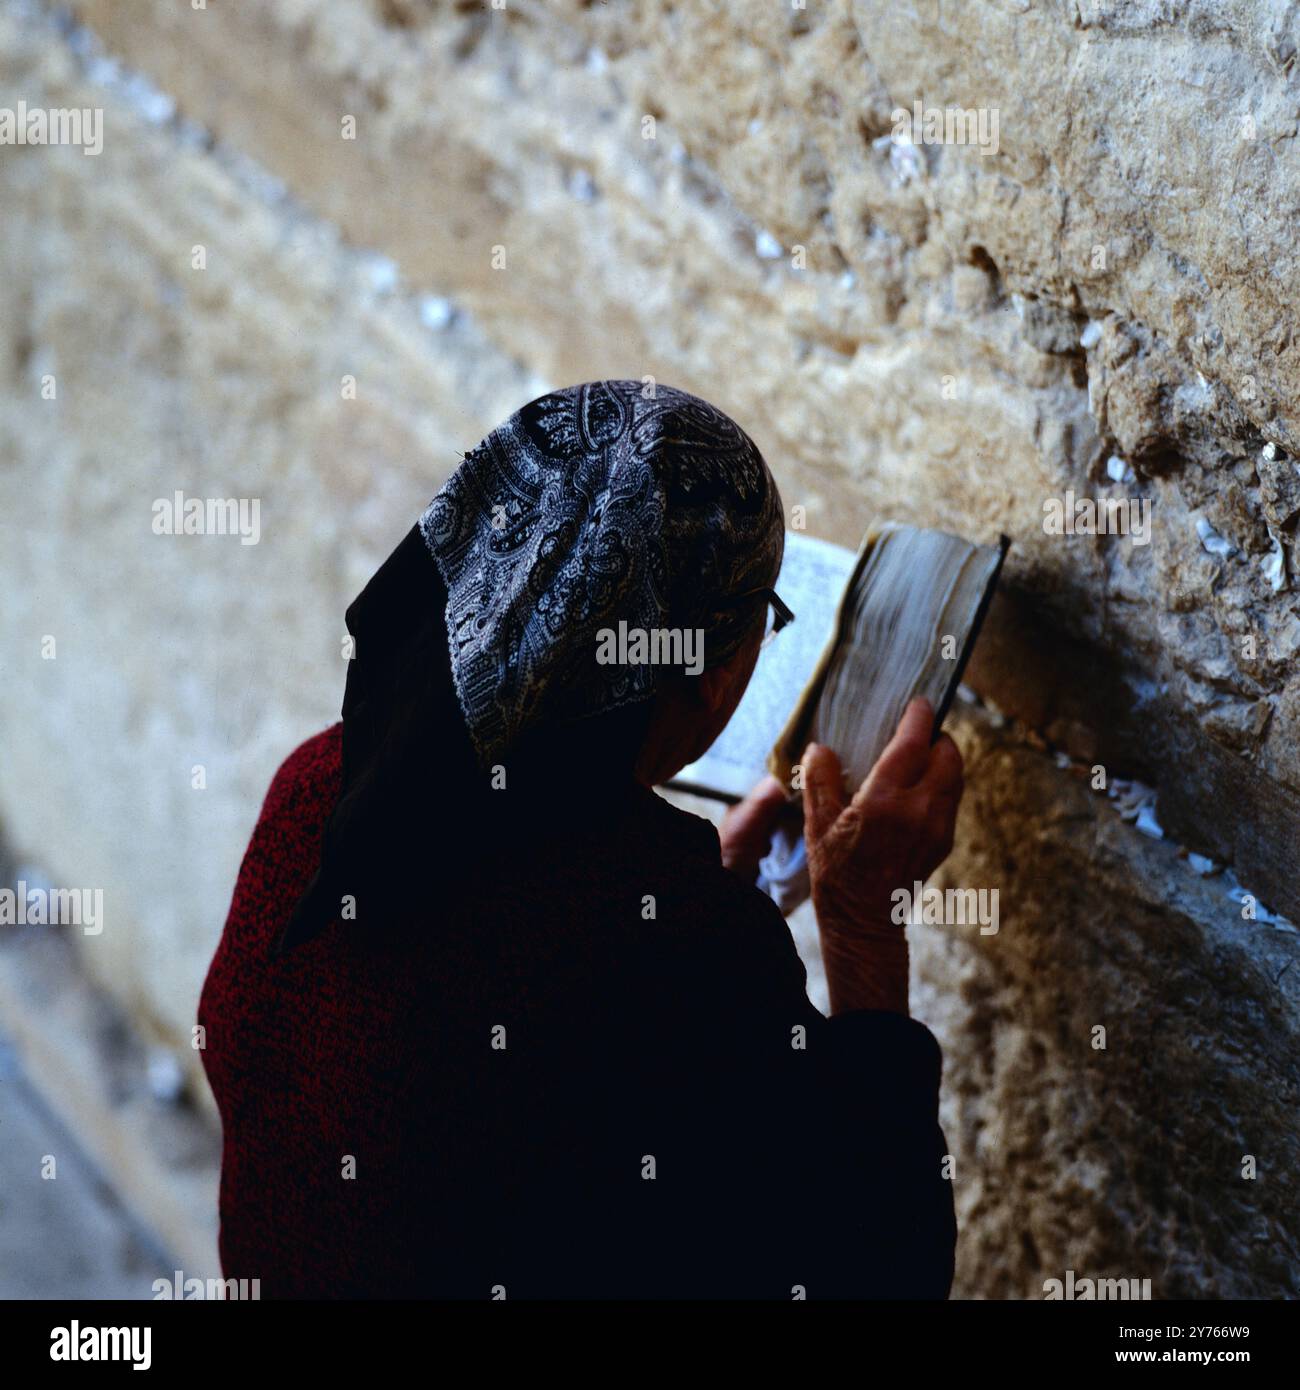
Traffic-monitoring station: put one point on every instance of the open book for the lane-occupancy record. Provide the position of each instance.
(872, 631)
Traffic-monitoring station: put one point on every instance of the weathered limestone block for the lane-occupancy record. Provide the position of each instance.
(1127, 1161)
(943, 333)
(177, 652)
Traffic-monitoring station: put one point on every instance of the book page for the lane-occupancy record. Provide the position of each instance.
(813, 576)
(909, 617)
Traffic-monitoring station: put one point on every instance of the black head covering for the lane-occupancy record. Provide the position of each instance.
(477, 640)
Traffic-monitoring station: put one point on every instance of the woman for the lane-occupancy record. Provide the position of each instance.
(489, 1018)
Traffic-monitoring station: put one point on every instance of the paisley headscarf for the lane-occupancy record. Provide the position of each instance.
(603, 504)
(608, 502)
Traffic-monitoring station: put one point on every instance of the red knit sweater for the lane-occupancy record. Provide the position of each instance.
(595, 1074)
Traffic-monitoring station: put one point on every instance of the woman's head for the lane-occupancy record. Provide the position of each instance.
(598, 546)
(543, 618)
(689, 712)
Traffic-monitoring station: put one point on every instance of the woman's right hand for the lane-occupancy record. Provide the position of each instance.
(894, 832)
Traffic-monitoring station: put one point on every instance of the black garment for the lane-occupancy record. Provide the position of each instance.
(647, 1001)
(789, 1150)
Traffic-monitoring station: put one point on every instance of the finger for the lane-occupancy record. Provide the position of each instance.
(823, 790)
(768, 792)
(752, 820)
(907, 754)
(945, 775)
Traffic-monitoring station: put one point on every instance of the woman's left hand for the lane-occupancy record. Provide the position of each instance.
(746, 829)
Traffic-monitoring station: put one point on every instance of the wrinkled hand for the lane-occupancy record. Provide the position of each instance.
(746, 829)
(895, 830)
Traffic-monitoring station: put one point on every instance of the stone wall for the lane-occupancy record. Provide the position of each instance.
(709, 194)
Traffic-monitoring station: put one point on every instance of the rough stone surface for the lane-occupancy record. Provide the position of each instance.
(65, 1237)
(224, 382)
(1105, 305)
(913, 347)
(1125, 1161)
